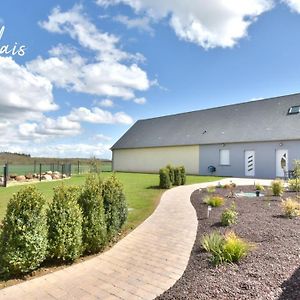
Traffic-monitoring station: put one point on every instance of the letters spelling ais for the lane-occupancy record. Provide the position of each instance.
(13, 50)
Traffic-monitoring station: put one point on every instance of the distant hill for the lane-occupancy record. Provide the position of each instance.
(24, 159)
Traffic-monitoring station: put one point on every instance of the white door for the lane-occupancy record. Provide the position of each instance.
(249, 163)
(281, 162)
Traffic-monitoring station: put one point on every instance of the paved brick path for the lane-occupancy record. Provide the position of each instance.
(144, 264)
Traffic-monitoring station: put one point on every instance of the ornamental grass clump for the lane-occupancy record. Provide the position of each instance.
(294, 185)
(93, 226)
(259, 187)
(228, 248)
(24, 232)
(65, 224)
(290, 208)
(277, 187)
(210, 189)
(214, 201)
(229, 216)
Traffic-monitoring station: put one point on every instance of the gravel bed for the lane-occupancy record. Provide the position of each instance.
(271, 271)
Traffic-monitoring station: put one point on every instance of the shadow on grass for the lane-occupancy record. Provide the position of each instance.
(291, 287)
(154, 187)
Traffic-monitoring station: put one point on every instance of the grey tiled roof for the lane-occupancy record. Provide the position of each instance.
(262, 120)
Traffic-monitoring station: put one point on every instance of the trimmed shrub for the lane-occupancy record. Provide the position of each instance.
(93, 225)
(182, 175)
(177, 176)
(115, 205)
(214, 201)
(24, 232)
(290, 208)
(171, 173)
(277, 187)
(65, 224)
(229, 248)
(164, 178)
(294, 185)
(229, 216)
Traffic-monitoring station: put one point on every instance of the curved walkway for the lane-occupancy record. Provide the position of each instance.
(144, 264)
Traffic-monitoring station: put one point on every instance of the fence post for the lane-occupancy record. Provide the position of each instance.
(62, 171)
(78, 167)
(34, 168)
(5, 174)
(40, 172)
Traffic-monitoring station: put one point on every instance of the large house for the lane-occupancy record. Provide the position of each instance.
(253, 139)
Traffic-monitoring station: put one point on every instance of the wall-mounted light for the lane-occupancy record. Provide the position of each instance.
(280, 144)
(223, 145)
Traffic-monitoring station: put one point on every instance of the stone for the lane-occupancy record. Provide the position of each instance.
(46, 177)
(20, 178)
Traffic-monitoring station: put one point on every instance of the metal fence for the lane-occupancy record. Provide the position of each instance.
(10, 172)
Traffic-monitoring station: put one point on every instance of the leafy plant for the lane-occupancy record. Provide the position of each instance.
(210, 189)
(235, 248)
(277, 187)
(259, 187)
(214, 201)
(164, 178)
(115, 205)
(229, 216)
(229, 248)
(24, 232)
(290, 208)
(294, 185)
(65, 224)
(93, 225)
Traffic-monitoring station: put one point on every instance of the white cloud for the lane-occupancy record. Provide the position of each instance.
(210, 24)
(141, 100)
(98, 116)
(293, 4)
(105, 75)
(105, 103)
(23, 94)
(102, 137)
(142, 24)
(47, 128)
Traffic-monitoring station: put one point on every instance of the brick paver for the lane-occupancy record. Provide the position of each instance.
(142, 265)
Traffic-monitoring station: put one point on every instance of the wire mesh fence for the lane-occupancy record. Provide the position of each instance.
(11, 172)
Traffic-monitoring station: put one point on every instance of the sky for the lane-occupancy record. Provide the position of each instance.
(76, 75)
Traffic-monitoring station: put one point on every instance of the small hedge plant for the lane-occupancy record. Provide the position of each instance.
(115, 205)
(164, 178)
(214, 201)
(24, 232)
(259, 187)
(94, 223)
(294, 185)
(65, 224)
(277, 187)
(225, 249)
(229, 216)
(171, 176)
(290, 208)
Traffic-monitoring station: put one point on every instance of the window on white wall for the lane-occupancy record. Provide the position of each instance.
(224, 157)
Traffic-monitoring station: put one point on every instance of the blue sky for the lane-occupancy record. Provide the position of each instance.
(90, 69)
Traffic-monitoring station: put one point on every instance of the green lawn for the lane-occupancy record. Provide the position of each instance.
(141, 192)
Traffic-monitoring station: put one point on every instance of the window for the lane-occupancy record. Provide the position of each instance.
(294, 110)
(224, 157)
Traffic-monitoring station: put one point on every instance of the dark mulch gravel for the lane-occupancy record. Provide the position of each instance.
(271, 271)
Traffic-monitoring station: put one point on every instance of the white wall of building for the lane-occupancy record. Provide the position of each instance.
(152, 159)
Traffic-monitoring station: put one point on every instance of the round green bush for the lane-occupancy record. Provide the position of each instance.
(24, 233)
(164, 178)
(93, 225)
(65, 224)
(115, 205)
